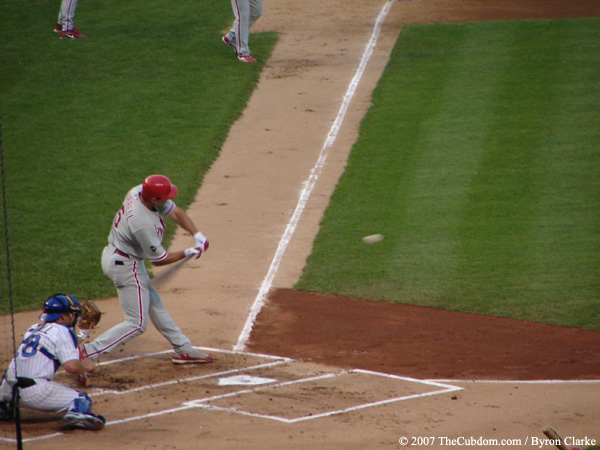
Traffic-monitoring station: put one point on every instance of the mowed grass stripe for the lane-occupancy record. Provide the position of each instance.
(526, 201)
(471, 165)
(451, 146)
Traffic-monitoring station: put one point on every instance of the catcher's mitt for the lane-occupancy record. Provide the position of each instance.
(90, 315)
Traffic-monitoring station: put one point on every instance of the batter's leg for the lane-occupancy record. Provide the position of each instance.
(163, 322)
(133, 287)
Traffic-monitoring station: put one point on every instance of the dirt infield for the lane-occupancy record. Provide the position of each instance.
(421, 342)
(321, 371)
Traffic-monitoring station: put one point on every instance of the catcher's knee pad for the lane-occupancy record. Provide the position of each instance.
(82, 404)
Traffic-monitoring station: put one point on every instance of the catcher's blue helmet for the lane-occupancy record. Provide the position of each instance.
(58, 304)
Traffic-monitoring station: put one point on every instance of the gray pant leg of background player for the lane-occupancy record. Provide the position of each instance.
(246, 12)
(140, 302)
(66, 15)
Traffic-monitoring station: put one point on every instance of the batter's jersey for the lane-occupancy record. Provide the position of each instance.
(44, 349)
(139, 231)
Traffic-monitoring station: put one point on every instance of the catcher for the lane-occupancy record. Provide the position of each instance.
(45, 347)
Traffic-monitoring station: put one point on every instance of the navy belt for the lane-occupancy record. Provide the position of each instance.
(23, 382)
(120, 253)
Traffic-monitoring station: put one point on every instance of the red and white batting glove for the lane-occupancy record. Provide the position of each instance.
(201, 241)
(196, 252)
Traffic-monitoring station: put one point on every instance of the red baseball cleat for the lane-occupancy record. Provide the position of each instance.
(228, 42)
(71, 34)
(191, 357)
(246, 59)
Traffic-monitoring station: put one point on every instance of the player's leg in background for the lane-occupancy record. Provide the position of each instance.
(241, 27)
(67, 14)
(256, 11)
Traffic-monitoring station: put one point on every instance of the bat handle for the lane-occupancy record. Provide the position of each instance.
(556, 439)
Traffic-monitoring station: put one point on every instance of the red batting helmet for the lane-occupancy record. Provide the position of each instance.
(158, 186)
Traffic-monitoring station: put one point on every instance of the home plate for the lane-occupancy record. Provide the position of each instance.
(245, 380)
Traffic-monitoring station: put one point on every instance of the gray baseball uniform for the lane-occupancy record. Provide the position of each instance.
(246, 13)
(66, 15)
(137, 233)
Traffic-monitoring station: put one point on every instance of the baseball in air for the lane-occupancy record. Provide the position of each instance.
(373, 238)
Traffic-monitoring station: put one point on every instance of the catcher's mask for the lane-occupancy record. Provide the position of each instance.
(57, 305)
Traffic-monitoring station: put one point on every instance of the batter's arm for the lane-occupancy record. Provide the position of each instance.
(183, 220)
(170, 258)
(154, 251)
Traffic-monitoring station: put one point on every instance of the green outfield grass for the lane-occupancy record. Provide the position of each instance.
(479, 162)
(151, 90)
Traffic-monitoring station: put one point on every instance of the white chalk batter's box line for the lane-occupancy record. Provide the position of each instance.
(275, 361)
(202, 403)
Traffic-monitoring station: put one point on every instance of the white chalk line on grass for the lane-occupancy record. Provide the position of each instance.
(309, 184)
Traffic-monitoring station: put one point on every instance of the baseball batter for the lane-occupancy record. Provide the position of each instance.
(246, 13)
(136, 233)
(46, 347)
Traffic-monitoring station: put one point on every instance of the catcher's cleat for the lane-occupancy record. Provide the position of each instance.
(191, 357)
(85, 421)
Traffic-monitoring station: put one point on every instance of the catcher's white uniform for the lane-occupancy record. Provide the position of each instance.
(137, 233)
(45, 348)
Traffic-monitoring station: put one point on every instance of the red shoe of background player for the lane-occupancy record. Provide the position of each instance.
(246, 59)
(231, 44)
(71, 34)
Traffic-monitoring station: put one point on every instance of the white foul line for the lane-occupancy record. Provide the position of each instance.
(309, 184)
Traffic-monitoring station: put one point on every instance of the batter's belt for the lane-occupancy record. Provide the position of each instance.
(120, 253)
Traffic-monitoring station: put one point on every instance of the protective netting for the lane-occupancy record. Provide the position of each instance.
(10, 431)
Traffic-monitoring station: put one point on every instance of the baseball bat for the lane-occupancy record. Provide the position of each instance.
(552, 434)
(169, 271)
